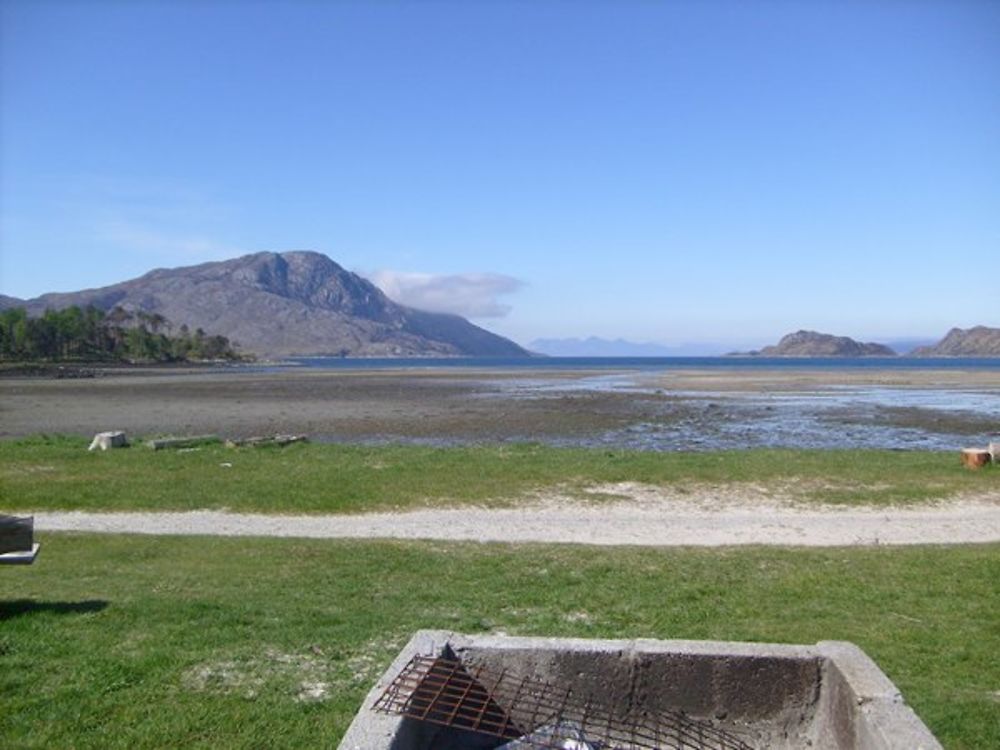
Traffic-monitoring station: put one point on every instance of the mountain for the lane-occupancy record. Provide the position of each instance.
(813, 344)
(906, 346)
(8, 302)
(972, 342)
(293, 303)
(598, 347)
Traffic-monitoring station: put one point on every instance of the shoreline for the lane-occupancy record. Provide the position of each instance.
(558, 406)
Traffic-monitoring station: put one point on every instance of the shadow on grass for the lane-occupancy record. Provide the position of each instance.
(19, 607)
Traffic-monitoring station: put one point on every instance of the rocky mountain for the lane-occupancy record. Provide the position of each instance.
(293, 303)
(972, 342)
(813, 344)
(8, 302)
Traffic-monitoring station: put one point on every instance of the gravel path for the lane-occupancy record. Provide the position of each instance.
(650, 523)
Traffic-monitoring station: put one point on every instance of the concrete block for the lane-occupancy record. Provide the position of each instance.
(829, 696)
(106, 440)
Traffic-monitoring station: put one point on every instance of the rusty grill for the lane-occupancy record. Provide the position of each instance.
(526, 713)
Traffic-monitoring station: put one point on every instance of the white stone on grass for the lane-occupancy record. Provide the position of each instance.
(105, 440)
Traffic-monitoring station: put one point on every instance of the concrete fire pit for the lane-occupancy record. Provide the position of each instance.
(830, 695)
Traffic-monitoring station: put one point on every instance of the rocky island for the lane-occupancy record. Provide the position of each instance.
(979, 341)
(814, 344)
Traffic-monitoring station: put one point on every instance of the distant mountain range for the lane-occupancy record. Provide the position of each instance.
(904, 346)
(302, 303)
(598, 347)
(293, 303)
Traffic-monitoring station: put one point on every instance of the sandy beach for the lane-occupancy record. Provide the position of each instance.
(448, 405)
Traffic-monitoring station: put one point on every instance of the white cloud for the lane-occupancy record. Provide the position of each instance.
(471, 295)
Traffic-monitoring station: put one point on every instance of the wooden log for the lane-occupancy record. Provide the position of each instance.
(270, 440)
(975, 458)
(16, 534)
(182, 442)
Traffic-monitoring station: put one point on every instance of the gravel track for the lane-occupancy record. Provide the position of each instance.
(648, 523)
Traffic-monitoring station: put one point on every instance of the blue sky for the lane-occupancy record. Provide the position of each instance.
(659, 171)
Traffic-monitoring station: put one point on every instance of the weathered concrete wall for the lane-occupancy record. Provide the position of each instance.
(777, 696)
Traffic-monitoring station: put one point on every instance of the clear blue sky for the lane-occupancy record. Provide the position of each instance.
(665, 171)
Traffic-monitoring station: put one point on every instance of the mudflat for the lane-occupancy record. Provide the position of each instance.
(456, 405)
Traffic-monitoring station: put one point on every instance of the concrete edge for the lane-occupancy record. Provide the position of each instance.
(23, 557)
(884, 719)
(370, 729)
(863, 675)
(639, 645)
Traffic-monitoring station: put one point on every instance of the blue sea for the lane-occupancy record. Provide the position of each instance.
(655, 363)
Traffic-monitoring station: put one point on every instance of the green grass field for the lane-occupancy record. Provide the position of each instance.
(58, 473)
(148, 642)
(134, 641)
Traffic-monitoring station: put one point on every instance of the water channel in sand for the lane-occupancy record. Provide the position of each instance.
(662, 407)
(835, 416)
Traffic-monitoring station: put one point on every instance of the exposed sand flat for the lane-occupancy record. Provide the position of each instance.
(440, 404)
(757, 379)
(647, 522)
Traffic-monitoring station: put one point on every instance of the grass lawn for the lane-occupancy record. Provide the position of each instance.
(58, 473)
(128, 641)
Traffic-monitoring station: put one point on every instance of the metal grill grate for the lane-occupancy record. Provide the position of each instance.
(534, 714)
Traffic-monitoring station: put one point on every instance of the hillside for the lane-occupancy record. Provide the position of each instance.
(9, 302)
(813, 344)
(979, 341)
(293, 303)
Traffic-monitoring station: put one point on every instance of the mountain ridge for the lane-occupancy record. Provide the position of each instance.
(594, 346)
(978, 341)
(285, 304)
(8, 302)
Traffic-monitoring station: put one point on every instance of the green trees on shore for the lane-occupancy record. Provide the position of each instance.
(75, 333)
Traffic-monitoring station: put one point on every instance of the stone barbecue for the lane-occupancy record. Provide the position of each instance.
(449, 691)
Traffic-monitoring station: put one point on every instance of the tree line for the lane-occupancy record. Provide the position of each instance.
(89, 334)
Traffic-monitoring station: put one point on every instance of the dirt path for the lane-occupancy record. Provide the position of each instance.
(649, 522)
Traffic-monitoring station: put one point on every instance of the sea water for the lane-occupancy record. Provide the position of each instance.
(824, 416)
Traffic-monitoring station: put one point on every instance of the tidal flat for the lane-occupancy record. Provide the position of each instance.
(155, 640)
(667, 410)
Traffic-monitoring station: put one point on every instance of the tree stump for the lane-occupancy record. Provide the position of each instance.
(975, 458)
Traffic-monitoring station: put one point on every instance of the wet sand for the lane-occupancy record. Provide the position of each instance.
(457, 405)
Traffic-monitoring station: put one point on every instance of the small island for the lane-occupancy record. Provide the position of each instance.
(814, 344)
